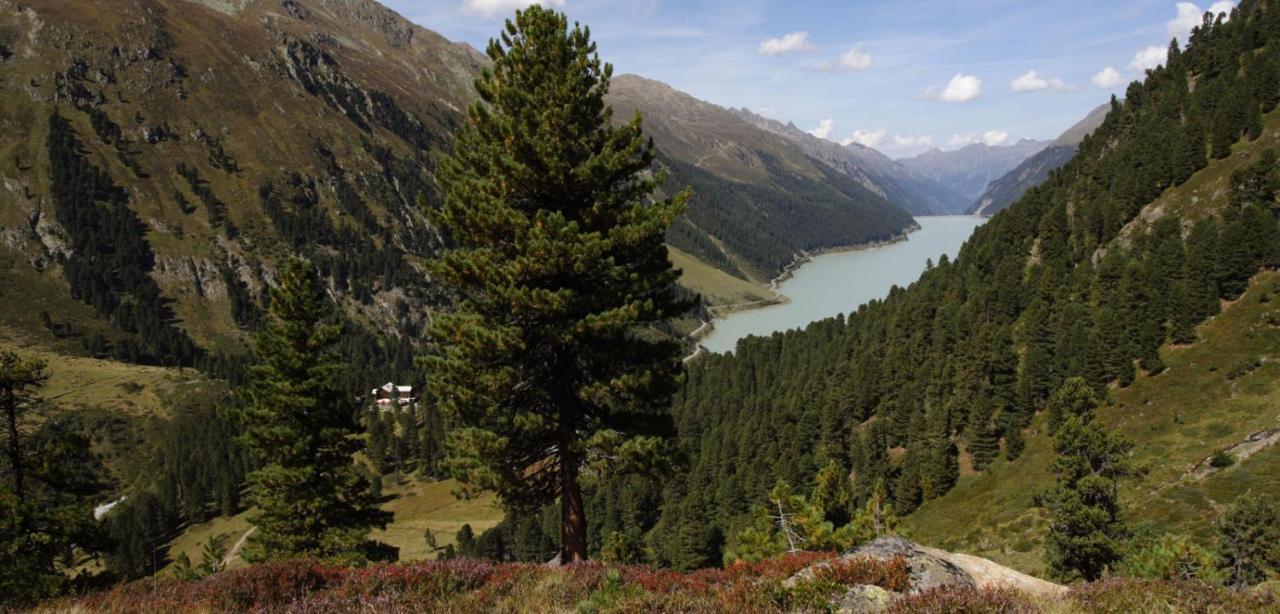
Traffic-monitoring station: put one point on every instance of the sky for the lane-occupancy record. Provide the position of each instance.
(901, 76)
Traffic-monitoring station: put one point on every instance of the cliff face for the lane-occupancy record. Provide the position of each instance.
(219, 136)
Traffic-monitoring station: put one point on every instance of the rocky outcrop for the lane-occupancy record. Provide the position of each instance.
(930, 569)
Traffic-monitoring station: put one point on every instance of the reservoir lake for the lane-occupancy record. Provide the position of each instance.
(840, 282)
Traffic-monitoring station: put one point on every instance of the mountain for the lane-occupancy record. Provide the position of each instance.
(758, 198)
(968, 170)
(1035, 170)
(1142, 272)
(875, 171)
(164, 163)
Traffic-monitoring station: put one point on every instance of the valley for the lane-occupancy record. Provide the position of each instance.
(330, 305)
(840, 282)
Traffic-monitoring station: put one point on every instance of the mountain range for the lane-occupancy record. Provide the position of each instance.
(221, 136)
(969, 169)
(1033, 171)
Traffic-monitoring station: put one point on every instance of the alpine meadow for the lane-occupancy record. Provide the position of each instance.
(311, 305)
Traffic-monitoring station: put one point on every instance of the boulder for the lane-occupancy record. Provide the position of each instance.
(930, 569)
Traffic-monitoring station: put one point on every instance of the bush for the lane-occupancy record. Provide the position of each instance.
(1221, 459)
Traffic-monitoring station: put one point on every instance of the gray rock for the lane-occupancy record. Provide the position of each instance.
(928, 571)
(863, 598)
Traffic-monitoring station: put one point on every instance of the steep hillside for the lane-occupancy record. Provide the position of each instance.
(163, 156)
(1002, 192)
(1113, 271)
(968, 170)
(759, 199)
(1217, 394)
(875, 171)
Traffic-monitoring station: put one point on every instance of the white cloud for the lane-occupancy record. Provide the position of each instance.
(1107, 78)
(904, 142)
(962, 88)
(1190, 16)
(1031, 81)
(991, 137)
(824, 128)
(1149, 58)
(866, 138)
(492, 8)
(852, 60)
(768, 112)
(789, 43)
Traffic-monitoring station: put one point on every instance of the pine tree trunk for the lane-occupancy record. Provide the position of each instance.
(573, 519)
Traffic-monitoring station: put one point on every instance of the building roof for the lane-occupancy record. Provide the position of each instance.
(390, 387)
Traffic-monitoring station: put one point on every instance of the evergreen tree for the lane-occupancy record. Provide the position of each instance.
(559, 261)
(984, 439)
(1085, 530)
(1073, 399)
(19, 380)
(831, 494)
(47, 485)
(311, 497)
(1249, 540)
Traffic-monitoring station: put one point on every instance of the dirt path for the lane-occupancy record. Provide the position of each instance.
(235, 550)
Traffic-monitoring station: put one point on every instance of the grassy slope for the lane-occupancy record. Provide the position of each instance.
(418, 506)
(716, 286)
(1176, 419)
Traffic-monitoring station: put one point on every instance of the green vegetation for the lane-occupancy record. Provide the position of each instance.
(1060, 285)
(559, 261)
(311, 499)
(1085, 529)
(47, 482)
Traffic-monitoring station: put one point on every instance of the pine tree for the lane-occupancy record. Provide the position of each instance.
(1086, 529)
(48, 480)
(984, 439)
(1249, 540)
(831, 494)
(312, 499)
(19, 380)
(558, 256)
(1073, 399)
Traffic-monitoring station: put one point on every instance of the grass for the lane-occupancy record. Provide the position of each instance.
(1176, 420)
(715, 285)
(418, 506)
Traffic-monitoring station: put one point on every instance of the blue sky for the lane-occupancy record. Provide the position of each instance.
(900, 76)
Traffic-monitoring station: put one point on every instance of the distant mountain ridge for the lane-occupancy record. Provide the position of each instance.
(759, 198)
(219, 136)
(877, 172)
(969, 169)
(1002, 192)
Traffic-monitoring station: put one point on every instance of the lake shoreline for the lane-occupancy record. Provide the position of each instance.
(799, 260)
(845, 277)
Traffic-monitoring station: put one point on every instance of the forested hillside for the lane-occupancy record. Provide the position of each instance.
(161, 158)
(1033, 171)
(1084, 276)
(758, 199)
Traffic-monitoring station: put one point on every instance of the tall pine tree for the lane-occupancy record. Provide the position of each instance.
(312, 500)
(558, 256)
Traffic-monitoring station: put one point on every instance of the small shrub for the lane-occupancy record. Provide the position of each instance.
(131, 387)
(1243, 368)
(1221, 459)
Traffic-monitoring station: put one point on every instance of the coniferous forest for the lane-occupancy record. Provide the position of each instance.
(501, 254)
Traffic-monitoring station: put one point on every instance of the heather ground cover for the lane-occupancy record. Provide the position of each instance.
(463, 585)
